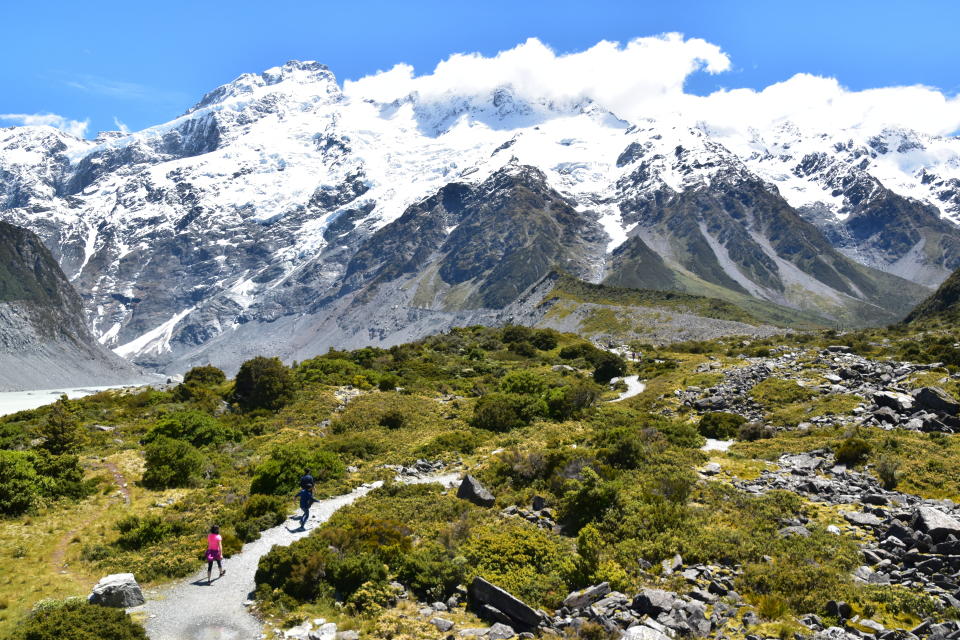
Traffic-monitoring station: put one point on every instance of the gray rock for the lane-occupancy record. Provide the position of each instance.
(799, 531)
(862, 519)
(501, 631)
(643, 632)
(348, 635)
(442, 624)
(935, 523)
(895, 400)
(653, 602)
(117, 590)
(580, 599)
(471, 489)
(483, 592)
(936, 399)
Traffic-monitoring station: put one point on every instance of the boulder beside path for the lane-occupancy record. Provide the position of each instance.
(117, 590)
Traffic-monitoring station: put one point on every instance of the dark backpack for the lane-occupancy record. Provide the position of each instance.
(306, 482)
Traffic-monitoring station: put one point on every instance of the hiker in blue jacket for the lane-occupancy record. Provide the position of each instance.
(306, 500)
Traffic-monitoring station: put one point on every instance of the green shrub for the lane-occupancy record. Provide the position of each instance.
(393, 419)
(524, 349)
(206, 375)
(355, 446)
(888, 470)
(77, 620)
(523, 382)
(571, 400)
(516, 333)
(263, 383)
(196, 427)
(720, 425)
(503, 412)
(280, 473)
(608, 366)
(544, 339)
(587, 499)
(852, 451)
(583, 350)
(526, 561)
(19, 483)
(432, 572)
(171, 463)
(137, 532)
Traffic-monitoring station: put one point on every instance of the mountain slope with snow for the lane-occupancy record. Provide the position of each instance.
(279, 200)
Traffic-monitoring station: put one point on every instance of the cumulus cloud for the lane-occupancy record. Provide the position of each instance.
(76, 128)
(645, 78)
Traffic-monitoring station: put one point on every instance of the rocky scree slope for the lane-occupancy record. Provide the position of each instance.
(280, 210)
(44, 341)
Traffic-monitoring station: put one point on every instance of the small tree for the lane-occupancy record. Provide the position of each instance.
(263, 383)
(207, 375)
(608, 366)
(61, 431)
(171, 463)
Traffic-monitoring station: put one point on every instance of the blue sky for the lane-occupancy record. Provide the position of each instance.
(144, 63)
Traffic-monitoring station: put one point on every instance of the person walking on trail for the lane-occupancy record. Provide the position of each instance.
(306, 500)
(214, 552)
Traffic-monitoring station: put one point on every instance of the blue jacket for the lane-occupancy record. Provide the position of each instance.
(306, 498)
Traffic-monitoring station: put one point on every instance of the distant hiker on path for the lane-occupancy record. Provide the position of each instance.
(306, 500)
(214, 551)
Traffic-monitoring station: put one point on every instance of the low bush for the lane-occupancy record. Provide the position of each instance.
(544, 339)
(608, 366)
(171, 463)
(720, 425)
(196, 427)
(852, 451)
(137, 532)
(77, 620)
(504, 411)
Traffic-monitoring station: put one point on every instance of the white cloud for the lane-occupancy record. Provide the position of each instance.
(645, 78)
(76, 128)
(121, 127)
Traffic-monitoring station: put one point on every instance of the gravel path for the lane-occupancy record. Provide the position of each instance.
(634, 386)
(191, 610)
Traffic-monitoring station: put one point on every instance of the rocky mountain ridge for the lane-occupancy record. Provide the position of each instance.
(44, 340)
(280, 208)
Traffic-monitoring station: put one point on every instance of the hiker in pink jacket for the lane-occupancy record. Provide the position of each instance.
(214, 551)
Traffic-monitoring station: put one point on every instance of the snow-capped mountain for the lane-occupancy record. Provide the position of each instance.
(282, 215)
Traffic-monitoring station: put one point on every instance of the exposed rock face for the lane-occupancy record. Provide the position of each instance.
(936, 524)
(44, 341)
(117, 590)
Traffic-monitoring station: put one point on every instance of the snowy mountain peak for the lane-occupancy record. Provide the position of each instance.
(307, 78)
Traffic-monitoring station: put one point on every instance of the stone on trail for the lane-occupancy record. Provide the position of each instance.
(117, 590)
(471, 489)
(935, 523)
(482, 592)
